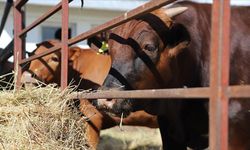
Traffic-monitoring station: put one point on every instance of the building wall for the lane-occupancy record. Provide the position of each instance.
(80, 20)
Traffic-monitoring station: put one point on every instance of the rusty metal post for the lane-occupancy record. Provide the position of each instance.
(64, 45)
(219, 75)
(23, 11)
(17, 43)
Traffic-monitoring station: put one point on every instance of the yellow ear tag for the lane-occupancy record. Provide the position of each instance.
(104, 48)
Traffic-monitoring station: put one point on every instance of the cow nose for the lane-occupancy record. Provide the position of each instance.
(106, 103)
(27, 78)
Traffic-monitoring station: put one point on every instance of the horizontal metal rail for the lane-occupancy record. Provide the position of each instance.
(45, 16)
(41, 19)
(146, 94)
(238, 91)
(49, 51)
(148, 7)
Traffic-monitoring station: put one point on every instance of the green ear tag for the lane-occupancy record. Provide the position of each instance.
(104, 48)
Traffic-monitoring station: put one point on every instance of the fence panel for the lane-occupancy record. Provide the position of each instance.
(219, 91)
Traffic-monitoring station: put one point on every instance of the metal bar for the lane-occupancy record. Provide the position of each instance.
(17, 44)
(64, 50)
(41, 19)
(232, 92)
(20, 3)
(49, 51)
(8, 5)
(219, 75)
(147, 94)
(148, 7)
(23, 10)
(239, 91)
(108, 25)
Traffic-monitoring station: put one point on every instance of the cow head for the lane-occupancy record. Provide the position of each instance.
(143, 53)
(44, 68)
(47, 68)
(87, 69)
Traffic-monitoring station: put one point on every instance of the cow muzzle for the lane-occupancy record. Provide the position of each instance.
(27, 77)
(115, 81)
(114, 107)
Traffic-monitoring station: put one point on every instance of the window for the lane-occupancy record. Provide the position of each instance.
(49, 31)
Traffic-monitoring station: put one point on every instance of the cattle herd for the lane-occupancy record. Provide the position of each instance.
(167, 48)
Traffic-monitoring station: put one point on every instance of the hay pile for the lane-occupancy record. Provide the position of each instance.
(40, 118)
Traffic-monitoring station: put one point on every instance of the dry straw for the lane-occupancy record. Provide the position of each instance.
(39, 117)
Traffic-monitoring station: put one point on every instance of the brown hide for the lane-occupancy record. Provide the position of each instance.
(92, 68)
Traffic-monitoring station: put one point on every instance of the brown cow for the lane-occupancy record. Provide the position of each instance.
(154, 51)
(89, 69)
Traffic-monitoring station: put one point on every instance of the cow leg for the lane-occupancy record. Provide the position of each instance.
(169, 135)
(94, 123)
(196, 124)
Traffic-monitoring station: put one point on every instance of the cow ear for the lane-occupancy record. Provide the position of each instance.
(173, 52)
(178, 39)
(177, 33)
(172, 12)
(74, 52)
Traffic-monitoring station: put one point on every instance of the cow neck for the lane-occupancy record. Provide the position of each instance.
(158, 26)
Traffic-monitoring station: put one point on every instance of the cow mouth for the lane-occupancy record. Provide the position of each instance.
(114, 107)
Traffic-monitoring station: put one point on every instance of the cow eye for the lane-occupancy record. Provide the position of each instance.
(150, 47)
(54, 58)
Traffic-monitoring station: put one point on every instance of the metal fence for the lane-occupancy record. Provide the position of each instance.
(218, 93)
